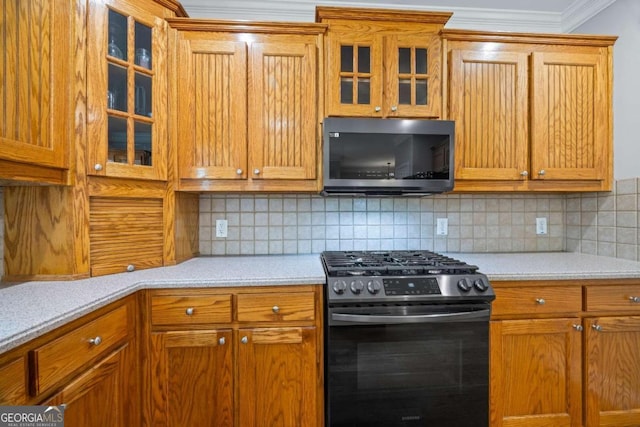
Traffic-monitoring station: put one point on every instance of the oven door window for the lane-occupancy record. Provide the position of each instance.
(426, 374)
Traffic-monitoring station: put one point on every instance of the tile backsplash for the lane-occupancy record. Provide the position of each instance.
(605, 223)
(290, 224)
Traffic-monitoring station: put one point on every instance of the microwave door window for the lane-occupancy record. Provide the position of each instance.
(361, 156)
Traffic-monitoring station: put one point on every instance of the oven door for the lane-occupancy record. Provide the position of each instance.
(418, 365)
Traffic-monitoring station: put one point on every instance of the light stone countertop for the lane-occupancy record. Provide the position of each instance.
(550, 266)
(31, 309)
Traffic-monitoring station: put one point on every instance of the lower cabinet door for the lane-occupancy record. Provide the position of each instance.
(277, 377)
(192, 378)
(535, 373)
(612, 355)
(103, 396)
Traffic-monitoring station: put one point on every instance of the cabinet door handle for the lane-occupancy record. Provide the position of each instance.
(634, 299)
(96, 341)
(244, 340)
(540, 301)
(131, 268)
(394, 108)
(524, 173)
(189, 311)
(97, 167)
(596, 328)
(542, 172)
(221, 341)
(578, 328)
(256, 171)
(378, 109)
(276, 309)
(239, 171)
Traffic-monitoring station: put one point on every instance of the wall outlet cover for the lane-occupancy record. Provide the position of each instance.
(541, 225)
(442, 226)
(221, 228)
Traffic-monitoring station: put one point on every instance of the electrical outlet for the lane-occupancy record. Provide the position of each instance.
(442, 226)
(541, 225)
(221, 228)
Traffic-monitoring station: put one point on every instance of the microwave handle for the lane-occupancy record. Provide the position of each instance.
(420, 318)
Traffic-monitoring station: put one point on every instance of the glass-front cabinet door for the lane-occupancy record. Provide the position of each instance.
(412, 74)
(355, 78)
(127, 90)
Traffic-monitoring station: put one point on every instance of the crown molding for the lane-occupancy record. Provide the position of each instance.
(463, 18)
(581, 11)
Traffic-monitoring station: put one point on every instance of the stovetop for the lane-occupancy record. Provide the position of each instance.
(382, 263)
(401, 276)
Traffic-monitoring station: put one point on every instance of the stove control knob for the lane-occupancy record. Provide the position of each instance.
(464, 285)
(374, 287)
(339, 287)
(480, 285)
(357, 286)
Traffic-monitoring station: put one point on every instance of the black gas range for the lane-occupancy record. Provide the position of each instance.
(392, 276)
(407, 340)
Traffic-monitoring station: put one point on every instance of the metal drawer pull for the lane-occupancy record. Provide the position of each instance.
(540, 301)
(189, 311)
(596, 327)
(244, 340)
(578, 328)
(634, 299)
(276, 309)
(96, 341)
(221, 341)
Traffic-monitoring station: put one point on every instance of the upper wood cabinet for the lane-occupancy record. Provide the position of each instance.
(247, 105)
(127, 89)
(383, 63)
(36, 108)
(532, 112)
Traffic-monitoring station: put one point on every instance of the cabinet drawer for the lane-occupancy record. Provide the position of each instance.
(61, 357)
(270, 307)
(187, 310)
(12, 383)
(622, 297)
(537, 300)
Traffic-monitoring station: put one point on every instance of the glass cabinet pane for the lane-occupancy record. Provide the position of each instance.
(346, 90)
(421, 61)
(142, 144)
(143, 46)
(364, 59)
(142, 95)
(117, 39)
(117, 88)
(404, 92)
(346, 59)
(421, 92)
(117, 137)
(404, 60)
(364, 91)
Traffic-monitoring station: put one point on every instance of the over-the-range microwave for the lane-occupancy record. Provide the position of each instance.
(387, 157)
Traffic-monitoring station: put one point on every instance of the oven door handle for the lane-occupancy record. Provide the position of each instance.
(420, 318)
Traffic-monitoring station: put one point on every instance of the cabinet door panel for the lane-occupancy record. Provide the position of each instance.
(194, 384)
(488, 101)
(412, 76)
(354, 80)
(569, 116)
(212, 134)
(282, 111)
(612, 371)
(277, 377)
(98, 397)
(35, 75)
(535, 373)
